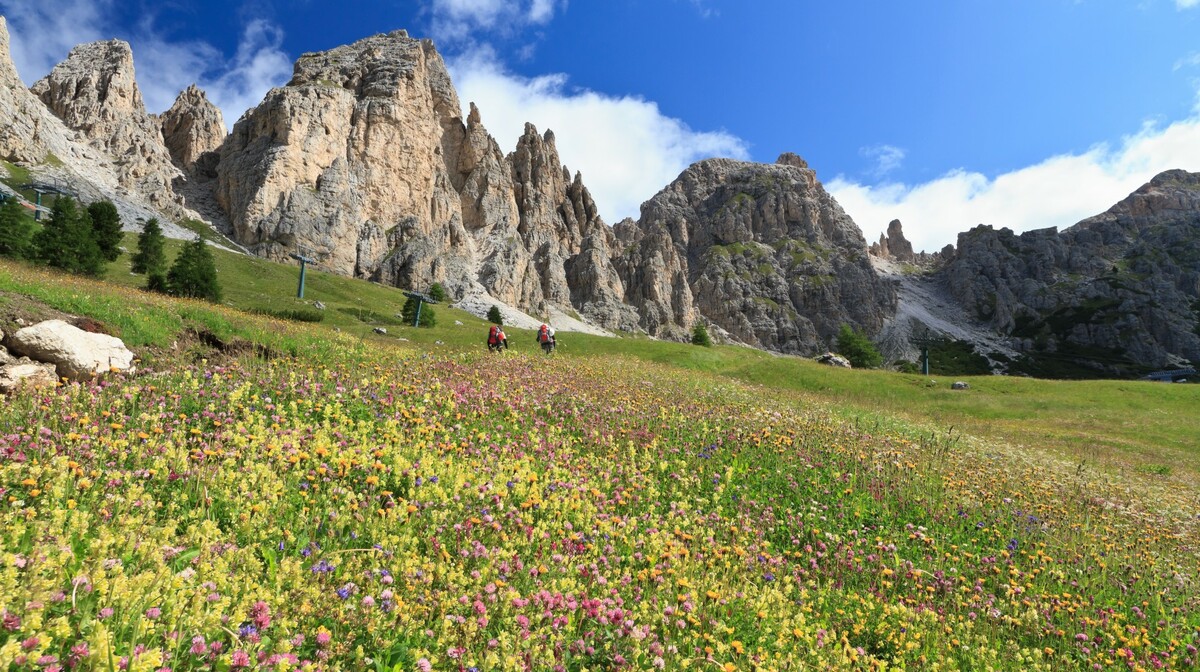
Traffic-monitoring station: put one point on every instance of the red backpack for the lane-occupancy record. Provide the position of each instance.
(543, 334)
(493, 335)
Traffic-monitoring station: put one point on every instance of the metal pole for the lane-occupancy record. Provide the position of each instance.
(300, 290)
(37, 214)
(417, 319)
(925, 358)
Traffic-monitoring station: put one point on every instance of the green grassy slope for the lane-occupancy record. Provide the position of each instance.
(1108, 424)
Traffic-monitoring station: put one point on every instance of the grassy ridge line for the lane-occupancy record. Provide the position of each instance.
(1124, 424)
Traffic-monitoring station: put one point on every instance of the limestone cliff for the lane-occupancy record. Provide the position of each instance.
(761, 251)
(364, 161)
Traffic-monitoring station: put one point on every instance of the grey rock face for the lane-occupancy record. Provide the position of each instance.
(1118, 289)
(192, 128)
(761, 251)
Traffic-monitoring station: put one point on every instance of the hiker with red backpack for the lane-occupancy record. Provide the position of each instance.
(496, 339)
(545, 336)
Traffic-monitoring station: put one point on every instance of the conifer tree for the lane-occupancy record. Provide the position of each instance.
(16, 230)
(494, 316)
(409, 313)
(856, 347)
(150, 258)
(700, 336)
(437, 292)
(106, 223)
(194, 273)
(67, 240)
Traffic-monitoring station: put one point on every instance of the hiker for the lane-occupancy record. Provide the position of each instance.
(545, 336)
(496, 339)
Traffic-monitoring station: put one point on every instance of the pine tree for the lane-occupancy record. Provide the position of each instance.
(409, 313)
(194, 273)
(494, 316)
(67, 240)
(150, 258)
(106, 223)
(437, 292)
(856, 347)
(700, 336)
(16, 230)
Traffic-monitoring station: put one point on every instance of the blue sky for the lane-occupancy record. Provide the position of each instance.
(944, 114)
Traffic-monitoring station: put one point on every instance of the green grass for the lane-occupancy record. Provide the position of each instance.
(1108, 424)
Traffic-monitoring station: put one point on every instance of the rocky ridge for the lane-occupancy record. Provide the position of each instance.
(35, 137)
(1117, 291)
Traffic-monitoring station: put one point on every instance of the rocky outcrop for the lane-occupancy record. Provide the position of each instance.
(893, 244)
(1117, 292)
(193, 128)
(762, 251)
(77, 354)
(94, 93)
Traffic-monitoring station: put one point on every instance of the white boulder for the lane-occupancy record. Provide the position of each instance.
(79, 355)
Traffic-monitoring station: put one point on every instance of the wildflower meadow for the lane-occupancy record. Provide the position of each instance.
(375, 508)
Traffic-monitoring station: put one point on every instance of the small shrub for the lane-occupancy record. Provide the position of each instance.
(293, 314)
(157, 282)
(409, 313)
(700, 336)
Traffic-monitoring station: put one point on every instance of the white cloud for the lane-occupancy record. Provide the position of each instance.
(42, 34)
(1191, 60)
(1059, 191)
(886, 158)
(455, 21)
(1184, 4)
(626, 148)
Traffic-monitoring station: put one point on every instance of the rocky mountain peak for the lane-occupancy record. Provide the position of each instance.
(1118, 292)
(94, 92)
(192, 127)
(94, 88)
(760, 250)
(790, 159)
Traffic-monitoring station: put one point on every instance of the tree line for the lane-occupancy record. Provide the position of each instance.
(83, 240)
